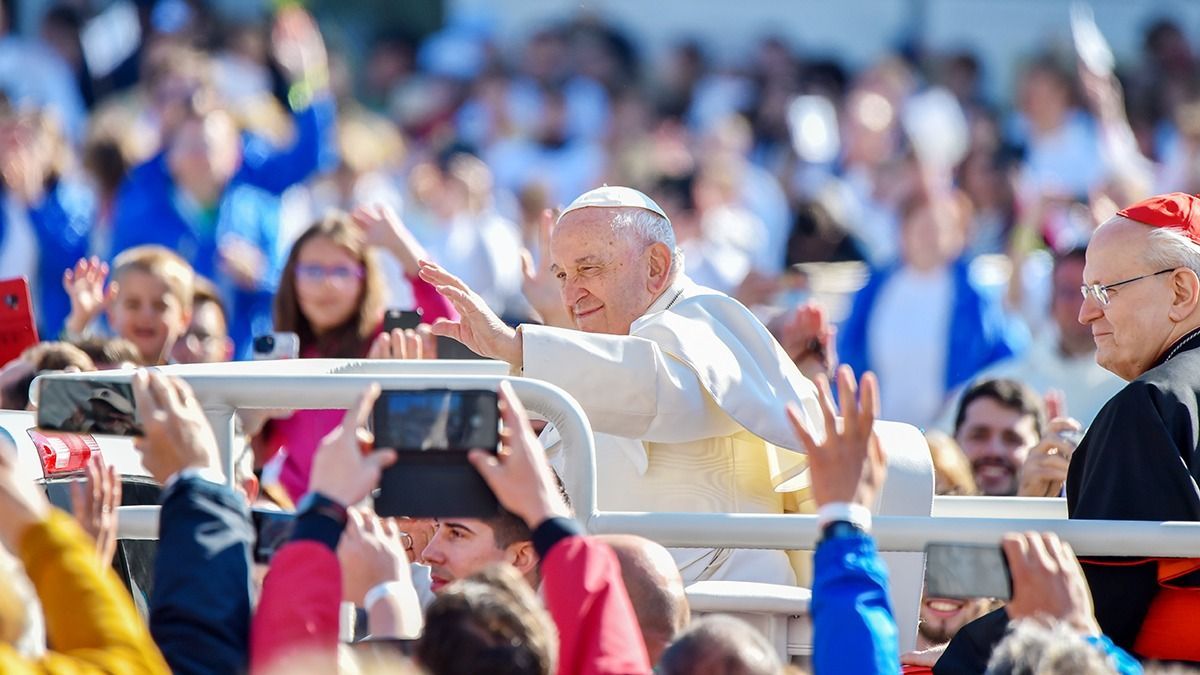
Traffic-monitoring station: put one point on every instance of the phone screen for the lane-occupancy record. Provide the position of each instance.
(272, 529)
(966, 571)
(88, 406)
(403, 319)
(437, 419)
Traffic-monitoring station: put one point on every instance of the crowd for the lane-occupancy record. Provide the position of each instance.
(223, 181)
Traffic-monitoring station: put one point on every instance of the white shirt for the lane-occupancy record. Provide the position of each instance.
(909, 331)
(19, 248)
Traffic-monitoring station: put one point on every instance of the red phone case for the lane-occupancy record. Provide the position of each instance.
(18, 331)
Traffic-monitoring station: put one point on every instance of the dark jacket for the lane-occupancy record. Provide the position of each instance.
(200, 605)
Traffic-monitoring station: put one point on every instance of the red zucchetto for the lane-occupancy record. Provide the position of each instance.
(1178, 211)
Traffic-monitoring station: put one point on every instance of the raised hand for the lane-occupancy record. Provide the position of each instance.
(849, 465)
(381, 227)
(85, 287)
(345, 468)
(177, 434)
(371, 552)
(94, 502)
(1045, 469)
(519, 473)
(808, 338)
(478, 326)
(1047, 582)
(298, 47)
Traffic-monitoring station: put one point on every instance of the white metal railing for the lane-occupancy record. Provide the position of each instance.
(223, 389)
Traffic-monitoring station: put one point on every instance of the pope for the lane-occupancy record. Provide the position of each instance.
(685, 389)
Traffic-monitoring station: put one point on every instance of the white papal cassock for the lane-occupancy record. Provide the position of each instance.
(688, 414)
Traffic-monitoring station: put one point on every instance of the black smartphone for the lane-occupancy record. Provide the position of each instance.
(449, 348)
(403, 319)
(272, 529)
(966, 571)
(432, 430)
(88, 407)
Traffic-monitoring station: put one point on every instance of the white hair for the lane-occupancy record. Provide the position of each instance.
(649, 228)
(1030, 647)
(1169, 249)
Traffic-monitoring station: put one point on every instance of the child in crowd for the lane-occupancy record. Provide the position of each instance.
(332, 295)
(149, 301)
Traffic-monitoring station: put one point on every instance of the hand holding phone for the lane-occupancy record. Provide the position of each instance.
(177, 433)
(1047, 582)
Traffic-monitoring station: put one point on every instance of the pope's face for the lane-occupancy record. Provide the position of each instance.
(1135, 327)
(604, 276)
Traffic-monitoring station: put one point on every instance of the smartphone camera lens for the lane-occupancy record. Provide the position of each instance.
(264, 344)
(10, 301)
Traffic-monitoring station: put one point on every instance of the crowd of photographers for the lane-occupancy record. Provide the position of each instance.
(224, 182)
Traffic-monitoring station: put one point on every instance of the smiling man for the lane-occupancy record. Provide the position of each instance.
(999, 421)
(683, 386)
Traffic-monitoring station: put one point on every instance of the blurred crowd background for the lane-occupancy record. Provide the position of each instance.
(879, 201)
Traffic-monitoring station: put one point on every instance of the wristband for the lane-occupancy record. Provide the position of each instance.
(855, 514)
(381, 591)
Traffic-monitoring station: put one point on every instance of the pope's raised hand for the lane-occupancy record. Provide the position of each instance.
(478, 326)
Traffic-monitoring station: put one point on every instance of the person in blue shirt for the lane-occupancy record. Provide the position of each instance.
(854, 628)
(226, 228)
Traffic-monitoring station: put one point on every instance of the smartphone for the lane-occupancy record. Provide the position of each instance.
(272, 529)
(276, 346)
(87, 407)
(965, 571)
(449, 348)
(18, 331)
(432, 430)
(402, 319)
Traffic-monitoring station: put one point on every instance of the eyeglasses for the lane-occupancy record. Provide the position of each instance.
(1100, 293)
(340, 275)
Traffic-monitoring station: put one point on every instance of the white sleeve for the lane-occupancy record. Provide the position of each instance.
(626, 385)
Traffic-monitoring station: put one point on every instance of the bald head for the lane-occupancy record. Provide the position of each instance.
(655, 589)
(720, 645)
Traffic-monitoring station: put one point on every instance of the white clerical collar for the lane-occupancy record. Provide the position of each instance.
(670, 296)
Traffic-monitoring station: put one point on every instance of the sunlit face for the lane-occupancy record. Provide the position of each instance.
(997, 439)
(329, 283)
(146, 313)
(941, 618)
(206, 150)
(1135, 328)
(461, 547)
(604, 276)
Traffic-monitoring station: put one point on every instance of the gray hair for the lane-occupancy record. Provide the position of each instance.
(1169, 249)
(1031, 648)
(720, 644)
(649, 228)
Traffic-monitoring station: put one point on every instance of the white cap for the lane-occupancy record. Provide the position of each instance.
(614, 197)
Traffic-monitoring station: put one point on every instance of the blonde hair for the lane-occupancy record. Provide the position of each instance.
(162, 264)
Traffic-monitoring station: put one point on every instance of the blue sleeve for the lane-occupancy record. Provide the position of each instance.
(314, 150)
(62, 223)
(200, 605)
(1118, 658)
(853, 627)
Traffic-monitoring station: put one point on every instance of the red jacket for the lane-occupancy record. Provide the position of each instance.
(597, 629)
(298, 610)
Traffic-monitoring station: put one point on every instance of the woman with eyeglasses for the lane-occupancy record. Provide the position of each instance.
(332, 295)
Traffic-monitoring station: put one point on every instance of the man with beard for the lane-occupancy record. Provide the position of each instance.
(941, 618)
(998, 422)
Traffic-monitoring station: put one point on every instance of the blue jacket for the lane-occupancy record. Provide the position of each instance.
(62, 224)
(314, 151)
(980, 333)
(854, 630)
(150, 210)
(200, 605)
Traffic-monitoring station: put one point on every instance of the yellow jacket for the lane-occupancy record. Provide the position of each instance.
(91, 624)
